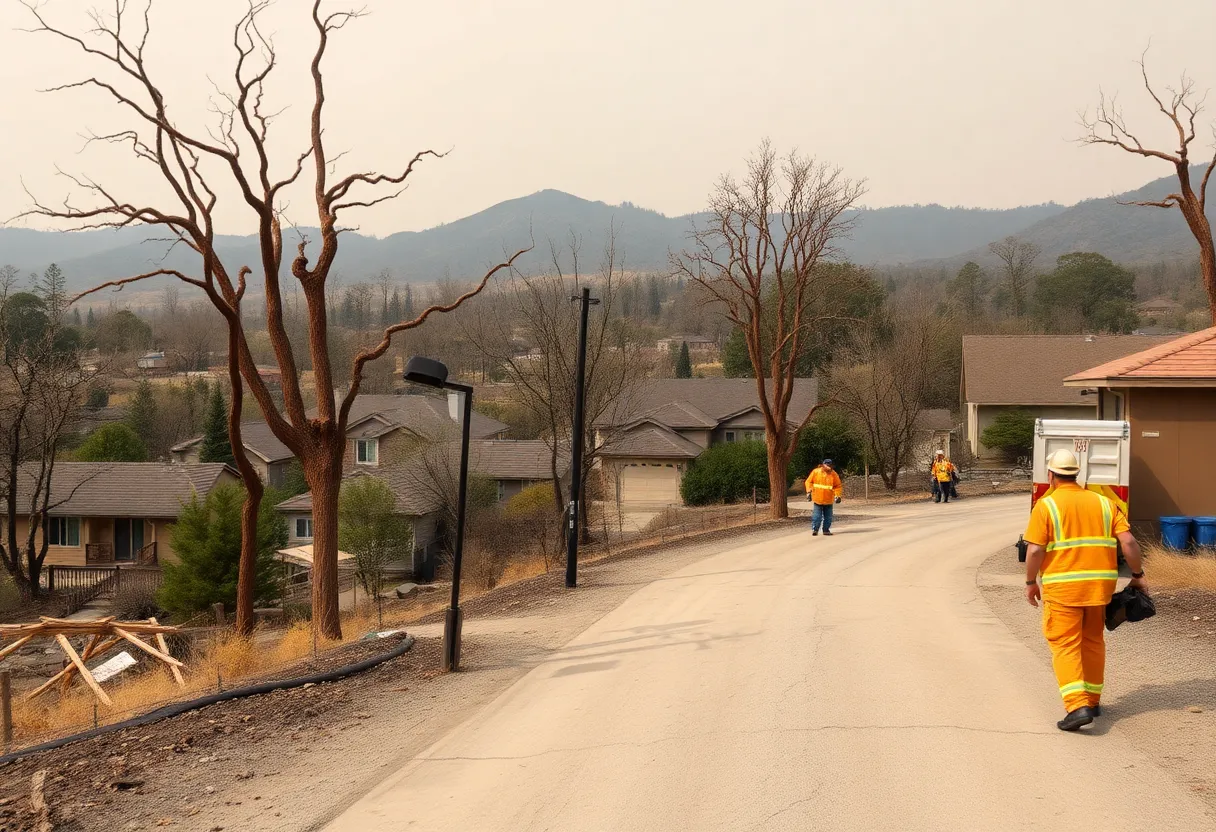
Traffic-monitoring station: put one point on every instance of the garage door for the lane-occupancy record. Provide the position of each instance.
(654, 483)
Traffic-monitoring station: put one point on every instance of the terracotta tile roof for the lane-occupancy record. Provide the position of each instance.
(124, 489)
(1030, 369)
(1189, 358)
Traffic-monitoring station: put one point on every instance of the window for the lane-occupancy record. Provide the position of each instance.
(304, 528)
(753, 436)
(730, 436)
(502, 491)
(367, 451)
(63, 531)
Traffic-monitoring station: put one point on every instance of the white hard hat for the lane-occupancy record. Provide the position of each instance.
(939, 453)
(1064, 462)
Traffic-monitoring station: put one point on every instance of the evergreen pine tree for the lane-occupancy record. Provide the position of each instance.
(216, 446)
(653, 305)
(76, 322)
(394, 308)
(683, 362)
(141, 415)
(407, 306)
(89, 320)
(52, 288)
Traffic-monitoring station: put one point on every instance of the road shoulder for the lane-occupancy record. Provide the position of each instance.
(1160, 678)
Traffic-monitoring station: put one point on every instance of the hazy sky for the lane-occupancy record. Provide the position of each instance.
(960, 102)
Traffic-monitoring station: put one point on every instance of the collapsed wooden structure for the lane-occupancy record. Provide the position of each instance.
(104, 635)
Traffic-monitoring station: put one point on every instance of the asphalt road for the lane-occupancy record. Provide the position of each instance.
(856, 682)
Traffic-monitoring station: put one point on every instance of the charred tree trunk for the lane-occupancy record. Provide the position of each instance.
(324, 475)
(247, 571)
(778, 482)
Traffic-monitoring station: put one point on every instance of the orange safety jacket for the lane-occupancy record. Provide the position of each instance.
(941, 470)
(1078, 529)
(824, 486)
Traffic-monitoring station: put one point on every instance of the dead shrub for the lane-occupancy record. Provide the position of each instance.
(1168, 569)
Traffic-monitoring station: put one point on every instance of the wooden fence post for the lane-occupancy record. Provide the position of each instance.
(218, 609)
(50, 579)
(6, 708)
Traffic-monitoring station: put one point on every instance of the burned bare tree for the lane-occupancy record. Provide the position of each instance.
(1017, 269)
(759, 254)
(882, 377)
(1109, 127)
(237, 153)
(42, 386)
(539, 309)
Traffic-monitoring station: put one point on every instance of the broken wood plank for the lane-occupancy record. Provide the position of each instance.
(71, 669)
(84, 671)
(164, 646)
(16, 645)
(148, 648)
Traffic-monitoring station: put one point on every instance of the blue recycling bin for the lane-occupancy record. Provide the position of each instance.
(1205, 531)
(1176, 533)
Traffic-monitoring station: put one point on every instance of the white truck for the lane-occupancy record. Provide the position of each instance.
(1102, 447)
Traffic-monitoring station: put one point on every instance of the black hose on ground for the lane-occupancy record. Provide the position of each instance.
(178, 708)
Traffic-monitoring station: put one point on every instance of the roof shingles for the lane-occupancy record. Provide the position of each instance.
(124, 489)
(1189, 358)
(1030, 369)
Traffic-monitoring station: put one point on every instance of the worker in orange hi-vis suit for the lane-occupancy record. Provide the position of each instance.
(824, 490)
(1072, 566)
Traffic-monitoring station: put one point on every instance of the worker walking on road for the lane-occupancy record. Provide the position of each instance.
(1073, 538)
(942, 470)
(823, 489)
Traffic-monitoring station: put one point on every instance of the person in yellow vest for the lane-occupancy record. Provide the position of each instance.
(824, 490)
(942, 471)
(1072, 567)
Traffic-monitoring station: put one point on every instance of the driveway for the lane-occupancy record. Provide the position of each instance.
(855, 682)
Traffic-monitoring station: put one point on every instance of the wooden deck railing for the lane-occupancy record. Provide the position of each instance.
(78, 585)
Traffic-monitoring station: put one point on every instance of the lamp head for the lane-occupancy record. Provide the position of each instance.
(427, 371)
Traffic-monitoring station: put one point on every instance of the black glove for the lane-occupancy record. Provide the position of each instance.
(837, 501)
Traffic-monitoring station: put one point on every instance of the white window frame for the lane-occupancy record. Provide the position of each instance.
(369, 450)
(60, 529)
(298, 521)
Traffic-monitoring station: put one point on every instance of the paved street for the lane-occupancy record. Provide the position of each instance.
(856, 682)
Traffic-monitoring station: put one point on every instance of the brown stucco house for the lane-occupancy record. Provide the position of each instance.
(117, 512)
(1168, 394)
(647, 438)
(1027, 372)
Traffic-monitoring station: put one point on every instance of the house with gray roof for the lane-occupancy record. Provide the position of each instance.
(116, 512)
(381, 430)
(647, 438)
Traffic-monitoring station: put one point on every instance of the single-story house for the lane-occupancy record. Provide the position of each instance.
(647, 438)
(270, 457)
(515, 464)
(1168, 394)
(152, 361)
(422, 508)
(1158, 307)
(117, 512)
(1027, 372)
(695, 342)
(935, 430)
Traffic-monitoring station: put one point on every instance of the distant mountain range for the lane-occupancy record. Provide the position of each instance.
(910, 235)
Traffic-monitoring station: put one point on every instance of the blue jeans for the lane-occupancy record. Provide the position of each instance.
(821, 515)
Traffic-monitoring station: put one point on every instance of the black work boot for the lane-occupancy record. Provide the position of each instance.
(1097, 709)
(1077, 719)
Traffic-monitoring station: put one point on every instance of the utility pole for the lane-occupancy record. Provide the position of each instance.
(575, 507)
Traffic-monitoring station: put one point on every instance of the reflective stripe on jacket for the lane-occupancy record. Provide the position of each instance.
(1077, 527)
(941, 470)
(824, 486)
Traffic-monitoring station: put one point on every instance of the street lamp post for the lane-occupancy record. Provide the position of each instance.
(427, 371)
(576, 508)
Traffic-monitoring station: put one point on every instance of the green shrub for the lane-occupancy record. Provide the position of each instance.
(829, 436)
(207, 540)
(114, 442)
(1011, 433)
(727, 473)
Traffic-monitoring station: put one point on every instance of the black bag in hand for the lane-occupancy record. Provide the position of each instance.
(1129, 604)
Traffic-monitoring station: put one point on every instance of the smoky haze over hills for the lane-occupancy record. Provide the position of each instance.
(918, 234)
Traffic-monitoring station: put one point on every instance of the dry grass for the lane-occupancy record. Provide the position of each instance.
(1178, 570)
